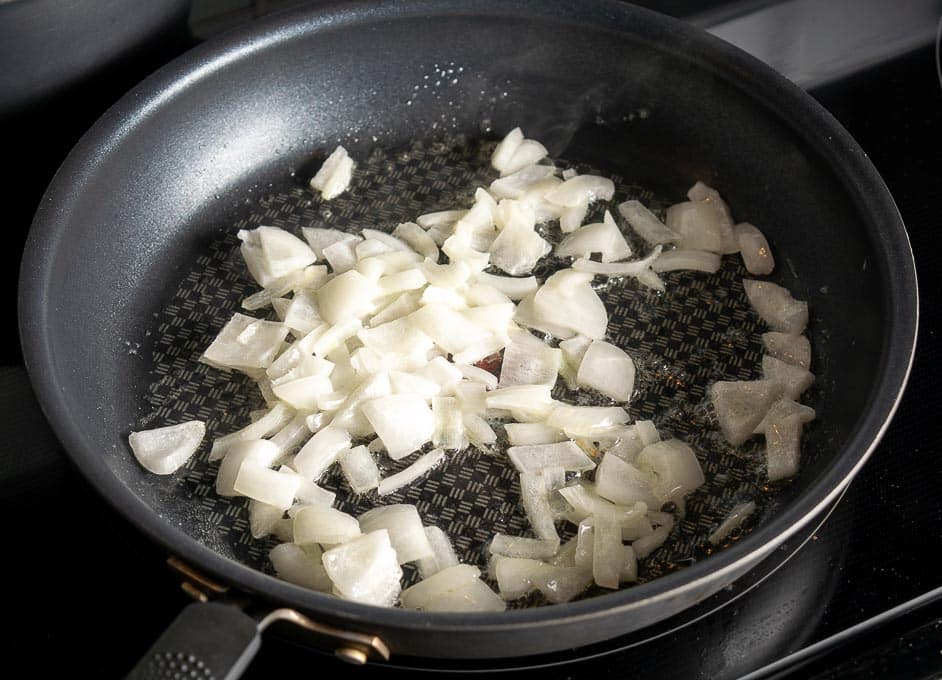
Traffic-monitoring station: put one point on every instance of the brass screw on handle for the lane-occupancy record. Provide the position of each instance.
(351, 655)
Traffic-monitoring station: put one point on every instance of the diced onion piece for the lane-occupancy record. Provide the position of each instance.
(365, 569)
(607, 553)
(519, 546)
(711, 197)
(648, 432)
(586, 503)
(266, 486)
(423, 593)
(525, 434)
(776, 306)
(301, 315)
(308, 492)
(449, 329)
(632, 268)
(741, 405)
(585, 539)
(561, 584)
(646, 224)
(334, 175)
(518, 184)
(571, 218)
(529, 361)
(449, 424)
(422, 466)
(629, 566)
(793, 349)
(399, 336)
(479, 375)
(359, 468)
(625, 444)
(623, 483)
(245, 343)
(515, 575)
(294, 564)
(406, 532)
(675, 468)
(348, 295)
(733, 521)
(688, 260)
(783, 447)
(582, 189)
(754, 249)
(290, 437)
(586, 421)
(697, 226)
(400, 282)
(505, 150)
(793, 380)
(646, 545)
(518, 247)
(533, 495)
(607, 369)
(164, 450)
(567, 299)
(418, 239)
(526, 316)
(303, 393)
(403, 421)
(782, 409)
(325, 525)
(528, 152)
(263, 518)
(410, 383)
(478, 431)
(603, 237)
(319, 238)
(320, 452)
(443, 553)
(271, 254)
(473, 596)
(342, 255)
(442, 218)
(514, 288)
(402, 306)
(258, 452)
(533, 458)
(532, 403)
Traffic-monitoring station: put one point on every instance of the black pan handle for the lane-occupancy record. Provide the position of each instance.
(207, 641)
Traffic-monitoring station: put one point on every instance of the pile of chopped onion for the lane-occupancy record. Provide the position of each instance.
(385, 347)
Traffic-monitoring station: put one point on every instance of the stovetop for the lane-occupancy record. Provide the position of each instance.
(85, 592)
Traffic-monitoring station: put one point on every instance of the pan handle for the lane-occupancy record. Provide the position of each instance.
(208, 641)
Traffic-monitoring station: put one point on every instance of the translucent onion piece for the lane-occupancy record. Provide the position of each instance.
(245, 343)
(359, 468)
(342, 255)
(571, 218)
(533, 495)
(303, 393)
(478, 375)
(688, 260)
(524, 434)
(518, 184)
(608, 555)
(629, 566)
(793, 349)
(365, 569)
(698, 226)
(733, 521)
(422, 466)
(271, 254)
(410, 383)
(674, 466)
(586, 503)
(519, 546)
(403, 421)
(783, 447)
(334, 175)
(754, 249)
(741, 405)
(301, 315)
(448, 328)
(632, 268)
(319, 238)
(348, 295)
(529, 361)
(604, 238)
(646, 545)
(479, 433)
(320, 452)
(607, 369)
(263, 518)
(164, 450)
(529, 152)
(514, 288)
(794, 380)
(474, 596)
(505, 150)
(402, 306)
(442, 218)
(623, 483)
(418, 239)
(526, 316)
(325, 525)
(586, 421)
(782, 409)
(567, 299)
(531, 403)
(582, 189)
(406, 532)
(776, 306)
(449, 424)
(711, 197)
(646, 224)
(294, 564)
(423, 593)
(443, 553)
(533, 458)
(585, 540)
(399, 336)
(308, 492)
(518, 247)
(561, 584)
(258, 452)
(515, 575)
(400, 282)
(290, 437)
(266, 486)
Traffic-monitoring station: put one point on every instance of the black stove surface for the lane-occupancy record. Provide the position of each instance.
(87, 594)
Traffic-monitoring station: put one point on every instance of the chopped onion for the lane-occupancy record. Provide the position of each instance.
(582, 189)
(403, 421)
(334, 175)
(733, 521)
(783, 447)
(515, 576)
(529, 361)
(646, 545)
(533, 495)
(263, 518)
(473, 596)
(449, 329)
(724, 220)
(623, 483)
(561, 584)
(245, 343)
(571, 218)
(567, 299)
(519, 546)
(449, 424)
(691, 260)
(442, 218)
(505, 150)
(742, 405)
(320, 451)
(425, 592)
(406, 532)
(524, 434)
(675, 467)
(410, 383)
(535, 457)
(257, 452)
(793, 380)
(754, 249)
(164, 450)
(266, 486)
(527, 153)
(607, 553)
(342, 255)
(514, 288)
(359, 468)
(586, 503)
(365, 569)
(324, 525)
(792, 349)
(518, 247)
(294, 564)
(518, 184)
(785, 408)
(530, 403)
(421, 467)
(646, 224)
(319, 238)
(607, 369)
(478, 431)
(586, 421)
(308, 492)
(443, 553)
(632, 268)
(271, 253)
(346, 296)
(478, 375)
(776, 306)
(603, 237)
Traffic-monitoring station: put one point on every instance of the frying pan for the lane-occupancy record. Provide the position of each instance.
(131, 268)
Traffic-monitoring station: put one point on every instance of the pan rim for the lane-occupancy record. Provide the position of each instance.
(809, 121)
